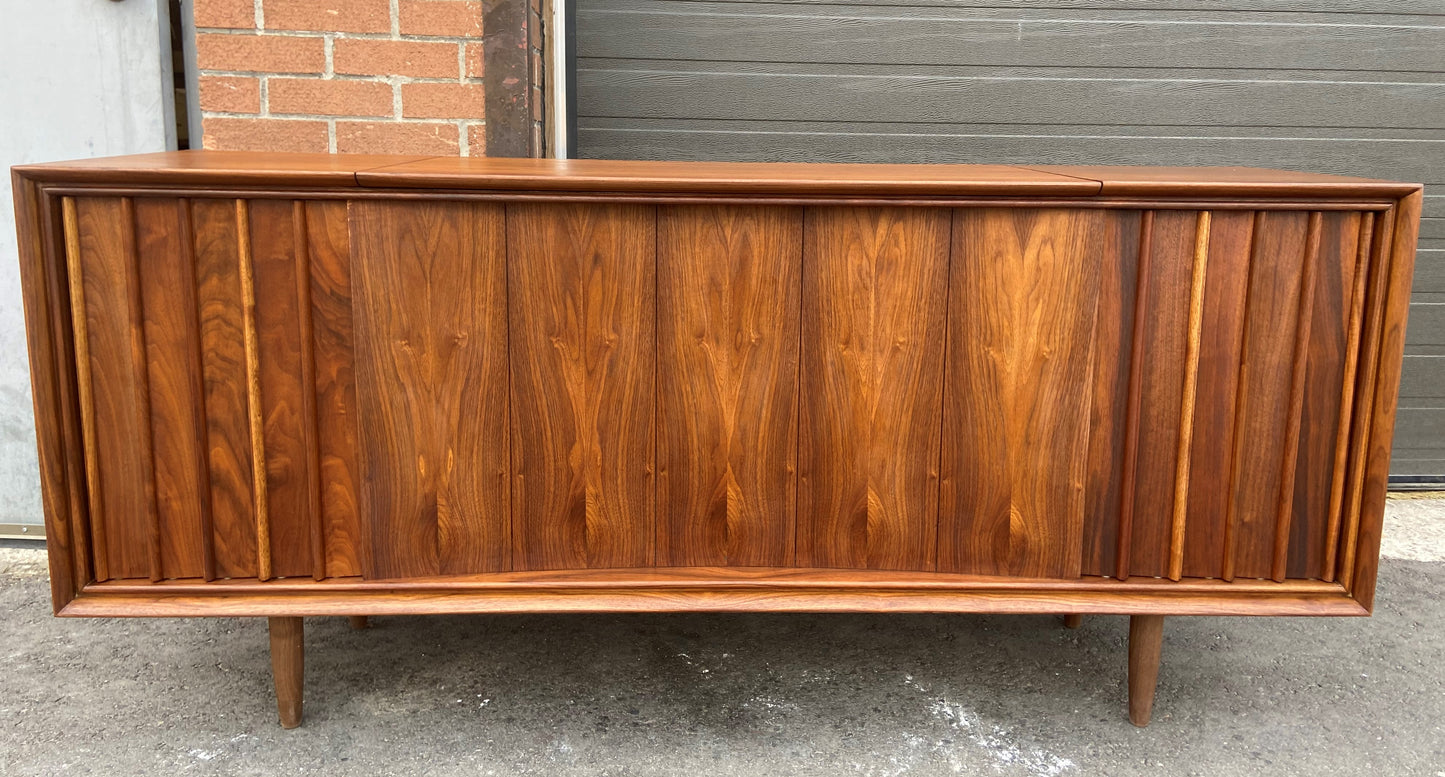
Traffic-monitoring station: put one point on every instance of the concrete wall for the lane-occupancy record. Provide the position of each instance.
(79, 78)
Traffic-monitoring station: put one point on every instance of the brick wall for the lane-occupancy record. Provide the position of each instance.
(351, 76)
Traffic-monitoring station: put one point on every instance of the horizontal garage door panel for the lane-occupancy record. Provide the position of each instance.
(1002, 37)
(848, 96)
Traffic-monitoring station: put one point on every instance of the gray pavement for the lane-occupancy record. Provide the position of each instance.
(736, 694)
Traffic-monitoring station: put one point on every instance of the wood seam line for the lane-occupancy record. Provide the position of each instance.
(653, 465)
(140, 368)
(80, 329)
(310, 422)
(1347, 397)
(1190, 392)
(800, 551)
(514, 557)
(1284, 506)
(943, 393)
(57, 316)
(197, 378)
(261, 502)
(1379, 256)
(1241, 397)
(510, 534)
(1136, 389)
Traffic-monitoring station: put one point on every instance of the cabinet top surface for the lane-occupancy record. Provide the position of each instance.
(235, 168)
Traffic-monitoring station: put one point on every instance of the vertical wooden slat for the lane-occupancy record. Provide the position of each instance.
(223, 365)
(1329, 346)
(50, 352)
(328, 241)
(256, 425)
(1191, 385)
(1299, 362)
(1272, 318)
(431, 371)
(727, 412)
(1172, 245)
(145, 440)
(177, 405)
(1369, 364)
(1130, 473)
(1114, 321)
(1396, 292)
(86, 385)
(874, 293)
(283, 340)
(1222, 337)
(581, 281)
(1340, 470)
(1022, 305)
(106, 241)
(310, 424)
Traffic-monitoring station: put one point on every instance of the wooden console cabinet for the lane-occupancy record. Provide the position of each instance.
(290, 385)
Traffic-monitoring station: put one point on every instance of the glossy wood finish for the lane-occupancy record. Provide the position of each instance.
(874, 285)
(728, 286)
(320, 387)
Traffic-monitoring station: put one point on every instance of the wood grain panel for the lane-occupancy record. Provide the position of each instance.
(177, 399)
(1326, 354)
(1262, 402)
(1171, 262)
(1113, 329)
(428, 283)
(727, 418)
(1212, 445)
(328, 240)
(223, 369)
(874, 306)
(119, 498)
(1023, 291)
(288, 431)
(582, 282)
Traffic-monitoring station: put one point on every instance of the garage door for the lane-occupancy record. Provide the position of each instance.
(1355, 87)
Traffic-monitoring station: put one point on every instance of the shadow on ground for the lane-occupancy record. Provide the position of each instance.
(729, 694)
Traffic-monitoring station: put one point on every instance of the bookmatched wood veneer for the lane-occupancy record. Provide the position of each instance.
(287, 385)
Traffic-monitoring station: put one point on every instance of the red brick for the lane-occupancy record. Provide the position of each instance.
(261, 53)
(328, 15)
(239, 14)
(397, 137)
(329, 97)
(231, 94)
(443, 101)
(418, 59)
(453, 18)
(264, 134)
(476, 60)
(477, 139)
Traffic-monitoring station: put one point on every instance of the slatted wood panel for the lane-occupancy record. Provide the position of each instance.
(430, 296)
(727, 406)
(328, 244)
(1023, 297)
(223, 370)
(173, 362)
(581, 286)
(874, 289)
(101, 250)
(1347, 88)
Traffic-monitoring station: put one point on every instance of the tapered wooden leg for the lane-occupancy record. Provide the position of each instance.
(288, 663)
(359, 622)
(1073, 620)
(1146, 639)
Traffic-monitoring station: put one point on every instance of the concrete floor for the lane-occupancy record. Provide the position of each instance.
(736, 694)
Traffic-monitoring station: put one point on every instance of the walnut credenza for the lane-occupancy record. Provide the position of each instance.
(277, 385)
